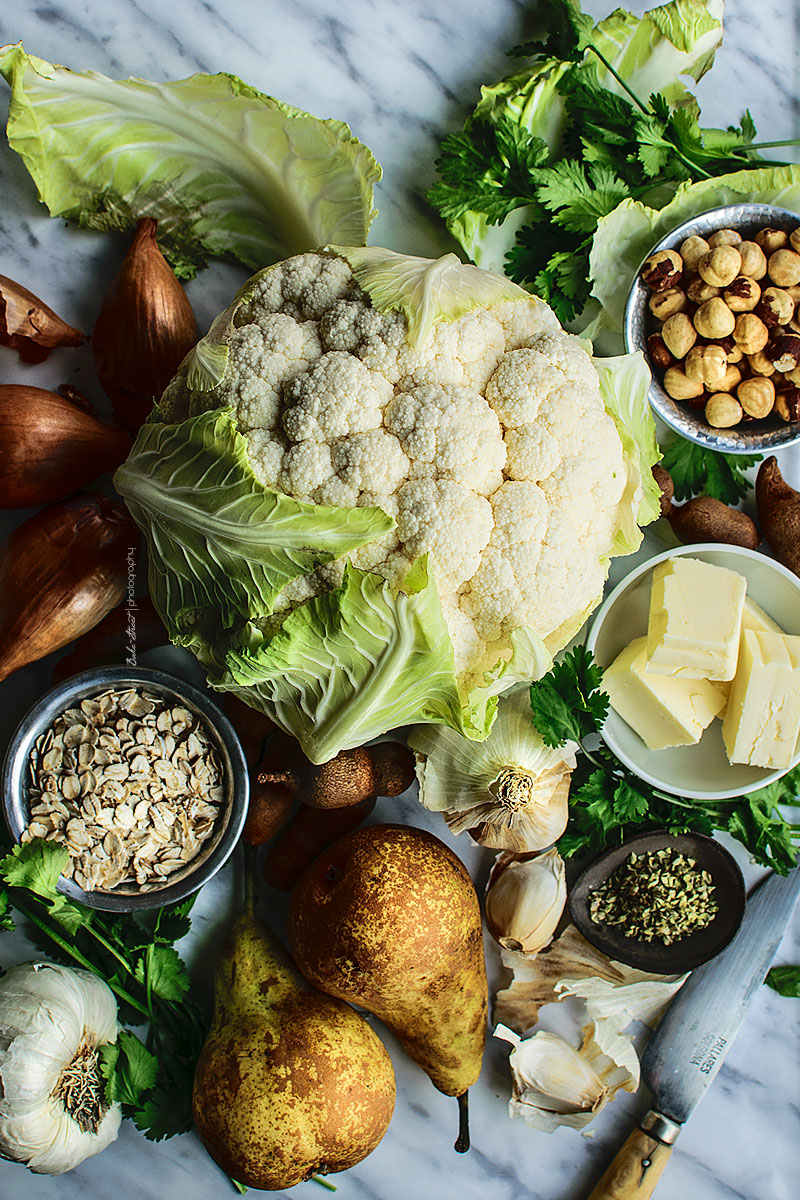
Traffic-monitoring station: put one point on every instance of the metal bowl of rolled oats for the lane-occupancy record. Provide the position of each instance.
(139, 775)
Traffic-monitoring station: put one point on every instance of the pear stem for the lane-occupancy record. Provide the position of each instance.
(462, 1141)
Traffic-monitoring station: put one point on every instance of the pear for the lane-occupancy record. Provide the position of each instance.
(290, 1083)
(388, 918)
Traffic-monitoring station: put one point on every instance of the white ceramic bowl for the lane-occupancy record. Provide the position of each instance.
(701, 772)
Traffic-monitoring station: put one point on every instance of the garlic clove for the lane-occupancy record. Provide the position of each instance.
(554, 1084)
(525, 900)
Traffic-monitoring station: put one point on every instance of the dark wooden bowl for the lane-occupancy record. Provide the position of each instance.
(690, 951)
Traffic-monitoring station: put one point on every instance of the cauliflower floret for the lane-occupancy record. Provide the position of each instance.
(268, 354)
(266, 457)
(306, 467)
(372, 461)
(305, 287)
(440, 517)
(378, 339)
(337, 396)
(449, 432)
(463, 352)
(523, 321)
(526, 378)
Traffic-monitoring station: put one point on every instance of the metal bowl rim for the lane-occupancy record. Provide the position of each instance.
(54, 701)
(682, 423)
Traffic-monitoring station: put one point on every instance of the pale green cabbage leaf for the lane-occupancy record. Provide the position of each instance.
(224, 169)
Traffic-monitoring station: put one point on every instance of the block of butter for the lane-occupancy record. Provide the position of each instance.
(763, 715)
(694, 620)
(753, 617)
(663, 710)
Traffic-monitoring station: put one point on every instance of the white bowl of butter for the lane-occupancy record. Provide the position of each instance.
(668, 700)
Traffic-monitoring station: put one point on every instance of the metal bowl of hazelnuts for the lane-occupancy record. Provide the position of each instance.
(716, 310)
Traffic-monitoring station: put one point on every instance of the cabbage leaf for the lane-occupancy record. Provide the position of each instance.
(224, 169)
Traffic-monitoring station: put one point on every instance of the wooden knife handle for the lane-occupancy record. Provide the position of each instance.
(635, 1170)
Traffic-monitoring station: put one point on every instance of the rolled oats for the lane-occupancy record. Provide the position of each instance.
(130, 784)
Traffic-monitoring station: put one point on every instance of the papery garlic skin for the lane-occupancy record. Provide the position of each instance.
(47, 1013)
(510, 791)
(525, 899)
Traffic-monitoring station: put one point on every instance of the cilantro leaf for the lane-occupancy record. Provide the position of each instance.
(164, 1114)
(784, 980)
(129, 1073)
(630, 805)
(487, 168)
(161, 970)
(695, 469)
(567, 703)
(579, 196)
(37, 866)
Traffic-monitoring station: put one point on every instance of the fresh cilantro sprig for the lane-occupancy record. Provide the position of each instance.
(607, 801)
(613, 147)
(695, 469)
(134, 954)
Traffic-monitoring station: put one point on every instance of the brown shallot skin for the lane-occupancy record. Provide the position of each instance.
(52, 445)
(30, 326)
(61, 571)
(144, 329)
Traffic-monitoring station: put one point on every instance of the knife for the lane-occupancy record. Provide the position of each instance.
(695, 1034)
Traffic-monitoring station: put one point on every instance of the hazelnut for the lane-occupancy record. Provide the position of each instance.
(742, 295)
(776, 307)
(794, 239)
(725, 237)
(678, 385)
(787, 404)
(714, 319)
(720, 266)
(754, 260)
(666, 304)
(679, 334)
(794, 292)
(662, 270)
(770, 240)
(750, 333)
(730, 380)
(699, 291)
(692, 250)
(783, 268)
(735, 354)
(760, 364)
(660, 356)
(784, 352)
(792, 376)
(723, 411)
(706, 364)
(756, 396)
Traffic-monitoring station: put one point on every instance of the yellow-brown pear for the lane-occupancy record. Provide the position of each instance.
(290, 1083)
(388, 918)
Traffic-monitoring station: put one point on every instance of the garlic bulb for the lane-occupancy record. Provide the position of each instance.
(53, 1111)
(555, 1084)
(525, 899)
(509, 791)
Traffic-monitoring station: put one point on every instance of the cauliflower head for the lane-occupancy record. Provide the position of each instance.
(489, 445)
(379, 473)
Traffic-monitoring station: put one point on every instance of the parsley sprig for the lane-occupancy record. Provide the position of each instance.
(134, 954)
(614, 148)
(695, 469)
(607, 801)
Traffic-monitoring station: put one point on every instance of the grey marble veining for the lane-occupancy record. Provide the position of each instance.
(401, 73)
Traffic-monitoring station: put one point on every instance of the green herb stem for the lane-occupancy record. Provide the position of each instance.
(324, 1183)
(770, 145)
(591, 46)
(64, 945)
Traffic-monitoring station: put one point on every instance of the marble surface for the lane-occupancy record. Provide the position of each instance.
(401, 73)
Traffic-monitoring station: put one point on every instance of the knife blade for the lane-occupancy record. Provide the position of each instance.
(694, 1035)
